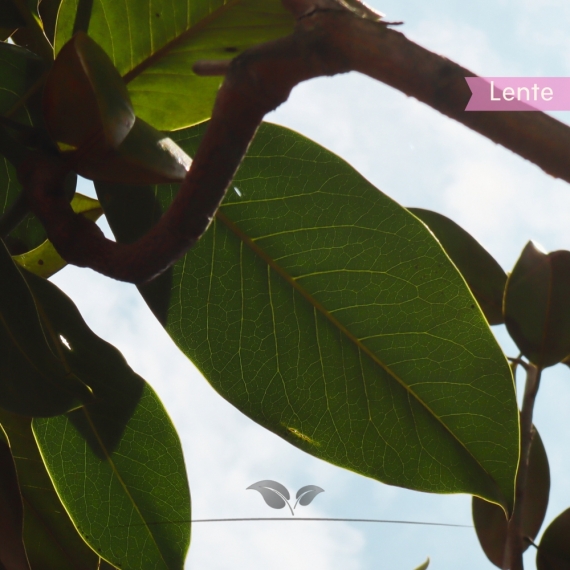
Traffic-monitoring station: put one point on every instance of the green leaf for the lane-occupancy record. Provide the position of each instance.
(12, 552)
(52, 542)
(154, 46)
(116, 464)
(44, 259)
(490, 521)
(330, 315)
(424, 566)
(483, 274)
(537, 305)
(554, 549)
(33, 381)
(85, 100)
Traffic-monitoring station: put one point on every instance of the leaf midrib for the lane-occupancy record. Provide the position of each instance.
(344, 330)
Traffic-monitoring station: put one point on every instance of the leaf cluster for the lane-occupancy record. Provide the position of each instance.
(352, 327)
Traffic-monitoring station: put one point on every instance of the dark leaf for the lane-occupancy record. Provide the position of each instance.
(331, 316)
(12, 551)
(490, 521)
(85, 101)
(21, 69)
(10, 18)
(537, 305)
(48, 13)
(34, 381)
(306, 494)
(554, 549)
(52, 542)
(483, 274)
(157, 60)
(121, 452)
(273, 493)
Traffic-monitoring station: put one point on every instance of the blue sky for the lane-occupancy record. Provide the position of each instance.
(420, 158)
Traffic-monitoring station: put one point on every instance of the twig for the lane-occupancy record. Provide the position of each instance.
(515, 540)
(326, 41)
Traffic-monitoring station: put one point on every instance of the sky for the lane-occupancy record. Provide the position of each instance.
(419, 158)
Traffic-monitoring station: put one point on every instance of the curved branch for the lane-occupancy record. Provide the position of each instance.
(327, 40)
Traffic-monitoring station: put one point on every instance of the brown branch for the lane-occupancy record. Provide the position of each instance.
(327, 40)
(515, 539)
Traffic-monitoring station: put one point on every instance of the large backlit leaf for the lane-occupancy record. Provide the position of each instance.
(483, 274)
(154, 46)
(12, 552)
(44, 259)
(52, 542)
(490, 521)
(33, 381)
(554, 549)
(537, 305)
(116, 464)
(330, 315)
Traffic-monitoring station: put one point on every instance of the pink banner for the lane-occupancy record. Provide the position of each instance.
(519, 93)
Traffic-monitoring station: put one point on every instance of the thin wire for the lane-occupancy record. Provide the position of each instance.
(306, 519)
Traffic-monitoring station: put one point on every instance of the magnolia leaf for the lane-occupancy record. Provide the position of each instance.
(554, 549)
(154, 46)
(423, 566)
(48, 10)
(483, 274)
(331, 316)
(86, 104)
(12, 551)
(120, 451)
(44, 259)
(146, 156)
(490, 521)
(273, 493)
(51, 540)
(306, 494)
(537, 305)
(33, 380)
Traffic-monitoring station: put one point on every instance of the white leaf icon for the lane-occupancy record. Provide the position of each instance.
(306, 494)
(273, 493)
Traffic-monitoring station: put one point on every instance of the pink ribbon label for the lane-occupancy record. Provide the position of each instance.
(519, 93)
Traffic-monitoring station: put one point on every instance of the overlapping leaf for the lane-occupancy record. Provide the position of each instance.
(33, 380)
(154, 46)
(331, 316)
(490, 521)
(52, 542)
(12, 551)
(554, 550)
(483, 274)
(117, 463)
(537, 305)
(21, 70)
